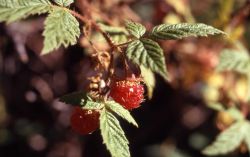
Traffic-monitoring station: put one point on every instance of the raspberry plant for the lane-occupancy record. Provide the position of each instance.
(234, 113)
(136, 45)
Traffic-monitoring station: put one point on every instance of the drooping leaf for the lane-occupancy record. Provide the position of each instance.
(182, 30)
(122, 112)
(64, 3)
(228, 140)
(135, 29)
(149, 80)
(117, 34)
(113, 135)
(73, 98)
(90, 104)
(148, 53)
(61, 28)
(13, 10)
(233, 60)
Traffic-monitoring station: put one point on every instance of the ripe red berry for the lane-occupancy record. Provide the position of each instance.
(84, 121)
(128, 93)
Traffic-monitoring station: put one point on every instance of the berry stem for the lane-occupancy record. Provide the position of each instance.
(125, 62)
(89, 20)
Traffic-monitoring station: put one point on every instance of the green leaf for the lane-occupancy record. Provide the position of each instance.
(235, 113)
(216, 106)
(81, 99)
(135, 29)
(233, 60)
(64, 3)
(113, 135)
(247, 136)
(148, 53)
(61, 28)
(182, 30)
(228, 140)
(118, 109)
(117, 34)
(149, 80)
(13, 10)
(90, 104)
(73, 98)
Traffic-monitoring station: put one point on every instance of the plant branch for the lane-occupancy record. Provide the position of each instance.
(124, 44)
(240, 16)
(79, 16)
(107, 38)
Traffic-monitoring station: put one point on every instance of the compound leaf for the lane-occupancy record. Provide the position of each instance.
(113, 135)
(135, 29)
(233, 60)
(149, 54)
(182, 30)
(73, 98)
(117, 34)
(13, 10)
(122, 112)
(64, 3)
(90, 104)
(247, 136)
(61, 28)
(149, 80)
(228, 140)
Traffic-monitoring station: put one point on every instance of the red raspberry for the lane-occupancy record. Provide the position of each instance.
(128, 93)
(84, 121)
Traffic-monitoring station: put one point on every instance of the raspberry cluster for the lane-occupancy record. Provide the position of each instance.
(128, 93)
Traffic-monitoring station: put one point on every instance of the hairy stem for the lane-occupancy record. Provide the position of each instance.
(113, 47)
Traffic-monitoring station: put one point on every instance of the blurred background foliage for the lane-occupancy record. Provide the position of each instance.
(177, 122)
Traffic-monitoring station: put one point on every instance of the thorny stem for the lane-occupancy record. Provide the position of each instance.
(98, 28)
(125, 61)
(79, 16)
(114, 48)
(105, 35)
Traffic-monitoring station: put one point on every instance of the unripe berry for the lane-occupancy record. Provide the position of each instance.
(84, 121)
(128, 93)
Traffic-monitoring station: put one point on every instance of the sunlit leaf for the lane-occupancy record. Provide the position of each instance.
(216, 106)
(90, 104)
(117, 34)
(233, 60)
(61, 28)
(149, 54)
(122, 112)
(228, 140)
(135, 29)
(182, 30)
(64, 3)
(13, 10)
(113, 135)
(149, 80)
